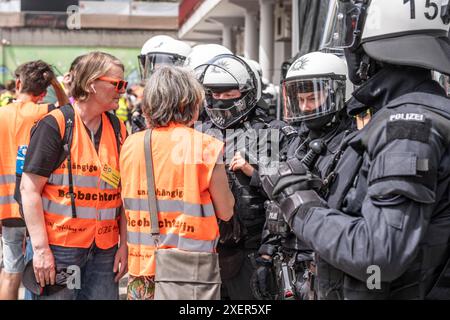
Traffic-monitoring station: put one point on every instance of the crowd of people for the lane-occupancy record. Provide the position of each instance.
(189, 183)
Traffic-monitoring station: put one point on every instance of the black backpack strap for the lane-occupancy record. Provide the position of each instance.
(69, 117)
(115, 122)
(51, 107)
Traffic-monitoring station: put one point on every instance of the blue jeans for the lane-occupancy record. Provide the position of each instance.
(97, 276)
(28, 256)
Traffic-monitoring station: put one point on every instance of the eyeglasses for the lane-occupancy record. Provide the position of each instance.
(118, 83)
(365, 113)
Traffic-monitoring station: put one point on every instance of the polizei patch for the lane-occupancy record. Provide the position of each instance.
(407, 117)
(410, 126)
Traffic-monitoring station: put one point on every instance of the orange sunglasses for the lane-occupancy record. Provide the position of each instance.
(119, 83)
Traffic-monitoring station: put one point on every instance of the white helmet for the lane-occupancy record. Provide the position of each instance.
(202, 53)
(268, 90)
(231, 89)
(408, 32)
(256, 68)
(159, 50)
(316, 85)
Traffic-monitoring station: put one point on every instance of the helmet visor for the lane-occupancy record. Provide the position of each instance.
(345, 25)
(149, 62)
(312, 98)
(225, 72)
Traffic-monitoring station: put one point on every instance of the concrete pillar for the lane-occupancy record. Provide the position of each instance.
(266, 37)
(251, 36)
(295, 27)
(282, 52)
(227, 37)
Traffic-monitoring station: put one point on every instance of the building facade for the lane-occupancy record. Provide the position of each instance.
(268, 31)
(59, 31)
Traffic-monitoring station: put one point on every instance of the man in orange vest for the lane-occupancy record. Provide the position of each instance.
(16, 120)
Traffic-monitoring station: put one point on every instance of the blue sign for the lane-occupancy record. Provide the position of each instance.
(20, 160)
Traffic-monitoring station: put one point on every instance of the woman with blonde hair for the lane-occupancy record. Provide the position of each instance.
(190, 183)
(71, 188)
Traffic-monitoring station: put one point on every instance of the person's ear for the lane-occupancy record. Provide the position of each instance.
(93, 89)
(18, 85)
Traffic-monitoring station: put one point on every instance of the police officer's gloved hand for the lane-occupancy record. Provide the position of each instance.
(299, 203)
(275, 223)
(291, 176)
(261, 279)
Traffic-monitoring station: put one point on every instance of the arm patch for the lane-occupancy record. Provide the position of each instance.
(408, 129)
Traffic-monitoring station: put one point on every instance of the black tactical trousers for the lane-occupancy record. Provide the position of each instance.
(238, 287)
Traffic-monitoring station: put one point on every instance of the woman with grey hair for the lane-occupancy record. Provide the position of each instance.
(191, 185)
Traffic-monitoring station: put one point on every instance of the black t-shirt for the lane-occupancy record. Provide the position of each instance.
(46, 147)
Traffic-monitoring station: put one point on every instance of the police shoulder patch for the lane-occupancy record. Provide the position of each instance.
(407, 117)
(289, 130)
(408, 125)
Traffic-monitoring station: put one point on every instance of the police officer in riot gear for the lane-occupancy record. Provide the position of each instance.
(384, 231)
(315, 90)
(160, 50)
(156, 51)
(199, 55)
(252, 141)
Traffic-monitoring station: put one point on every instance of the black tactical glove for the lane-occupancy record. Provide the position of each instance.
(292, 176)
(262, 281)
(231, 232)
(299, 203)
(275, 222)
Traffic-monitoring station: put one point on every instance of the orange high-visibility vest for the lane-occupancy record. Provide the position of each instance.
(98, 203)
(16, 121)
(183, 162)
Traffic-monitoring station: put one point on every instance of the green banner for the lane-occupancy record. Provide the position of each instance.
(61, 58)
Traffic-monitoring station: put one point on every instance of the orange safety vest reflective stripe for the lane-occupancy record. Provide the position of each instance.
(98, 204)
(183, 161)
(16, 121)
